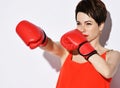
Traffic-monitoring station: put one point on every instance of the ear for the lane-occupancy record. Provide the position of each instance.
(101, 26)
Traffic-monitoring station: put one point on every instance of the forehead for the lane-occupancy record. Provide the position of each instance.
(83, 17)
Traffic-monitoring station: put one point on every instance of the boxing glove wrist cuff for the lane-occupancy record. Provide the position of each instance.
(86, 50)
(90, 54)
(45, 40)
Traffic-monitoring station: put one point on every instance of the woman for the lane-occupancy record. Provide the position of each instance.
(85, 62)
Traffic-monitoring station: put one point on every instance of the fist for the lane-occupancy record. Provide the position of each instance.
(32, 35)
(75, 40)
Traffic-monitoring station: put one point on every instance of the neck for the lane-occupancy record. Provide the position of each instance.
(95, 43)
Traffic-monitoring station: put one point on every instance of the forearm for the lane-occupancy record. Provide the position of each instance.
(53, 48)
(49, 46)
(102, 66)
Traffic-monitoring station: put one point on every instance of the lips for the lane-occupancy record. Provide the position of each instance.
(85, 35)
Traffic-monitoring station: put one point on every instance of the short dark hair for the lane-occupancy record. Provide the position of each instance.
(93, 8)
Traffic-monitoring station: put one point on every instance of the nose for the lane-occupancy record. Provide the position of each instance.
(81, 28)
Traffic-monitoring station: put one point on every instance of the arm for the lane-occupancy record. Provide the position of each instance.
(55, 48)
(33, 36)
(109, 67)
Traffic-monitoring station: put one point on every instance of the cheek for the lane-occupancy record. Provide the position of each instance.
(93, 34)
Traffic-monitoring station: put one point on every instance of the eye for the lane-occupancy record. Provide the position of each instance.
(78, 23)
(89, 23)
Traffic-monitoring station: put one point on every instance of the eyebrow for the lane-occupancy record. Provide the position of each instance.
(85, 21)
(88, 21)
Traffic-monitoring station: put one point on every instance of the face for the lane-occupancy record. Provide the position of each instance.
(88, 26)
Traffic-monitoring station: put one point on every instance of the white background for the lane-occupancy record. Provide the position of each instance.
(21, 67)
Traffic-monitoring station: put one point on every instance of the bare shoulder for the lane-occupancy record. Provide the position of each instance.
(64, 53)
(113, 56)
(114, 53)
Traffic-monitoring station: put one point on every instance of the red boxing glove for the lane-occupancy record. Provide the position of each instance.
(74, 39)
(32, 35)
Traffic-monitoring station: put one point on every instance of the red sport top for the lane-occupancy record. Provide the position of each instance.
(81, 75)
